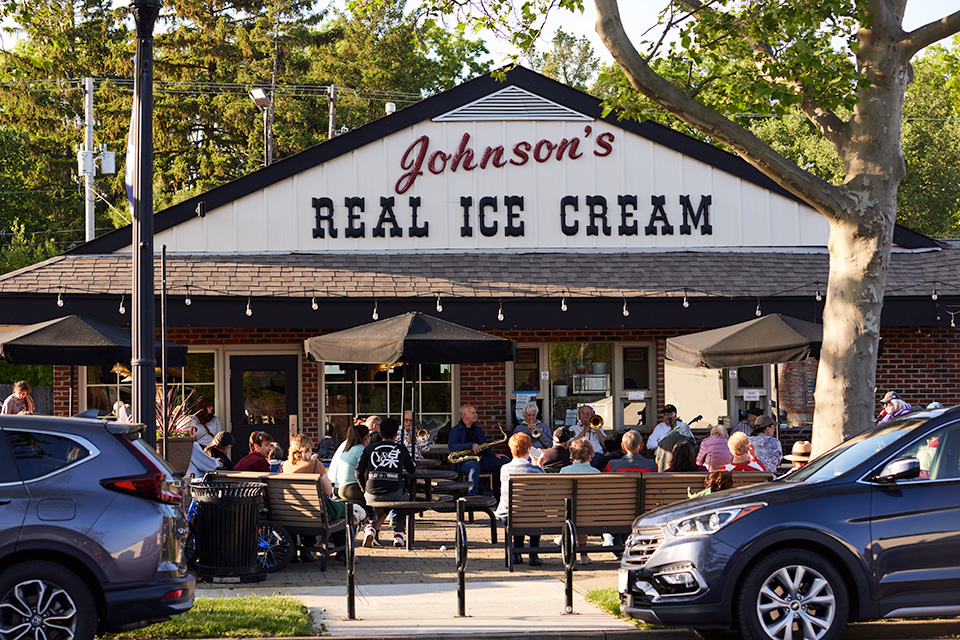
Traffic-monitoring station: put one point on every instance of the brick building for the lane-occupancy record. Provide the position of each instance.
(511, 207)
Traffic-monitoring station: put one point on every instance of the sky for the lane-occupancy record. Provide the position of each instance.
(639, 15)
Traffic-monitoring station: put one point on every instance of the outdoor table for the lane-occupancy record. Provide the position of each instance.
(408, 509)
(426, 462)
(428, 476)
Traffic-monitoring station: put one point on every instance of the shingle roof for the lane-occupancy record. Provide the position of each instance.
(483, 275)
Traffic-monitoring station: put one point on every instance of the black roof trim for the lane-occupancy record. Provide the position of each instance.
(437, 105)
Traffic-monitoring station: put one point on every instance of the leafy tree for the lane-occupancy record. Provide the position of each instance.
(825, 58)
(571, 61)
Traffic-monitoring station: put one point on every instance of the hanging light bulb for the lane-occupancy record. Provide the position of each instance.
(819, 297)
(376, 314)
(938, 315)
(952, 323)
(626, 312)
(122, 309)
(313, 303)
(686, 303)
(500, 312)
(187, 301)
(249, 310)
(758, 312)
(934, 295)
(563, 303)
(439, 306)
(59, 300)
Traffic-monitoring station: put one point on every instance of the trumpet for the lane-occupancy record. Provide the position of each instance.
(422, 436)
(596, 423)
(535, 432)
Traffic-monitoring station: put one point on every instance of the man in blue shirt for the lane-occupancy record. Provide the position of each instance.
(466, 434)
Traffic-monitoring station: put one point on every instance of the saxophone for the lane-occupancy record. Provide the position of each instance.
(456, 457)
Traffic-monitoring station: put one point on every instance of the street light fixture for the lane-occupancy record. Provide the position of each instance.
(265, 104)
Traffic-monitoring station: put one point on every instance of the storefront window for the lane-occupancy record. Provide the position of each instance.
(365, 390)
(580, 373)
(106, 385)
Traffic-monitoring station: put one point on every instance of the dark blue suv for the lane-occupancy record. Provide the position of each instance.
(868, 530)
(91, 530)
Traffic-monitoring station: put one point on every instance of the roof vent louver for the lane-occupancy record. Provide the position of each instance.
(511, 103)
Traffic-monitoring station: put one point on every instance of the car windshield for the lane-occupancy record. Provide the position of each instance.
(853, 452)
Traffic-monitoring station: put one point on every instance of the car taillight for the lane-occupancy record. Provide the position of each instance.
(152, 486)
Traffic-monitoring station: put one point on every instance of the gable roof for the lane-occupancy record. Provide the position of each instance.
(522, 95)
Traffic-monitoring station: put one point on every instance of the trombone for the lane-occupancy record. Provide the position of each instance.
(596, 423)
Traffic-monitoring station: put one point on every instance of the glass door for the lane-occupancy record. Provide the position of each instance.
(264, 394)
(527, 386)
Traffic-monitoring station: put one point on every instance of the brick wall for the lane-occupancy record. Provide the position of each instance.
(922, 366)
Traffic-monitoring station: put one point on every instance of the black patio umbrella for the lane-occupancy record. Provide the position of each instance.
(771, 339)
(74, 340)
(410, 338)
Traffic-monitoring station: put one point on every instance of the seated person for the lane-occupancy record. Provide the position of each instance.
(581, 452)
(684, 459)
(530, 425)
(380, 470)
(519, 444)
(467, 434)
(743, 458)
(715, 481)
(632, 443)
(613, 450)
(558, 456)
(261, 443)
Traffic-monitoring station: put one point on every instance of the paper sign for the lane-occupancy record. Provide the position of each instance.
(636, 395)
(751, 395)
(523, 397)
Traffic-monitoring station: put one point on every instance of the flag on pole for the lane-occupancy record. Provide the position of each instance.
(129, 162)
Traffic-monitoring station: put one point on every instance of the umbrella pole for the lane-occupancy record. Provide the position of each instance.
(776, 390)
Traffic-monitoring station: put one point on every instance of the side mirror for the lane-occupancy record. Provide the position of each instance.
(902, 469)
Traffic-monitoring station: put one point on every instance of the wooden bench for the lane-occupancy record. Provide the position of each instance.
(601, 503)
(295, 502)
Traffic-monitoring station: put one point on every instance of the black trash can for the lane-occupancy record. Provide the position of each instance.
(226, 529)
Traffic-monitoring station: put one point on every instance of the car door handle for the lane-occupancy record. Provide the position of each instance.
(6, 500)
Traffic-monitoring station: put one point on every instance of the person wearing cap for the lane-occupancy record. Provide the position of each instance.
(558, 456)
(799, 455)
(893, 406)
(766, 447)
(746, 425)
(668, 424)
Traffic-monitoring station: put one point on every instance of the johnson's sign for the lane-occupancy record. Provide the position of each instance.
(419, 155)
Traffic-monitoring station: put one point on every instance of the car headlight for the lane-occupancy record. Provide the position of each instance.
(708, 522)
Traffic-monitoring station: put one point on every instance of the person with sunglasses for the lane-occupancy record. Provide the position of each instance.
(261, 443)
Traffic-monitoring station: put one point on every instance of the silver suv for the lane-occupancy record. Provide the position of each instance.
(91, 530)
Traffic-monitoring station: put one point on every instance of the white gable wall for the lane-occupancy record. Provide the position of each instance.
(281, 218)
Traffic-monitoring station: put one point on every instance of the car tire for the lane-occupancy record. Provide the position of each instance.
(793, 593)
(66, 608)
(275, 547)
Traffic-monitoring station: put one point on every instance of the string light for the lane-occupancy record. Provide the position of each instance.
(187, 301)
(626, 312)
(122, 309)
(313, 303)
(686, 303)
(563, 303)
(59, 300)
(439, 305)
(500, 312)
(819, 297)
(934, 295)
(758, 312)
(376, 314)
(249, 310)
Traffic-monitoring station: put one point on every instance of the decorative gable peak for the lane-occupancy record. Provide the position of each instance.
(511, 103)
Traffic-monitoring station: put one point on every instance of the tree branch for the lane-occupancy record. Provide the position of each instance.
(926, 35)
(825, 197)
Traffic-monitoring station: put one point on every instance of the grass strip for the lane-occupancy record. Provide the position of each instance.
(232, 617)
(608, 600)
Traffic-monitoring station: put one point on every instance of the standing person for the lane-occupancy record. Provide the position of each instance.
(416, 448)
(743, 458)
(558, 456)
(666, 425)
(581, 452)
(765, 445)
(544, 440)
(466, 434)
(664, 454)
(206, 424)
(348, 486)
(583, 431)
(519, 444)
(631, 443)
(714, 452)
(683, 458)
(261, 443)
(745, 426)
(218, 448)
(380, 469)
(19, 402)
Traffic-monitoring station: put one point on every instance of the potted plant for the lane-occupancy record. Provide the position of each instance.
(176, 419)
(580, 367)
(560, 388)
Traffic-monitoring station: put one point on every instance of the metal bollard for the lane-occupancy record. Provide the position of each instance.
(461, 560)
(351, 564)
(568, 549)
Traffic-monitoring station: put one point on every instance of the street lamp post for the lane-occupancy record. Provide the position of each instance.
(143, 323)
(265, 104)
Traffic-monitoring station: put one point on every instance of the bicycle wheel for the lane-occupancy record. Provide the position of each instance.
(275, 546)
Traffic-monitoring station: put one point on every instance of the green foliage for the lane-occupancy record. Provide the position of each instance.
(239, 617)
(607, 599)
(38, 375)
(571, 61)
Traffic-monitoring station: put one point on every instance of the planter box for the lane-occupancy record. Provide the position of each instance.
(178, 452)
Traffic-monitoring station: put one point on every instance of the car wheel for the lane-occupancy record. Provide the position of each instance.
(275, 547)
(793, 594)
(45, 600)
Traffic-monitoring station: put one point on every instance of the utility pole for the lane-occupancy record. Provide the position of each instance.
(87, 162)
(143, 359)
(332, 101)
